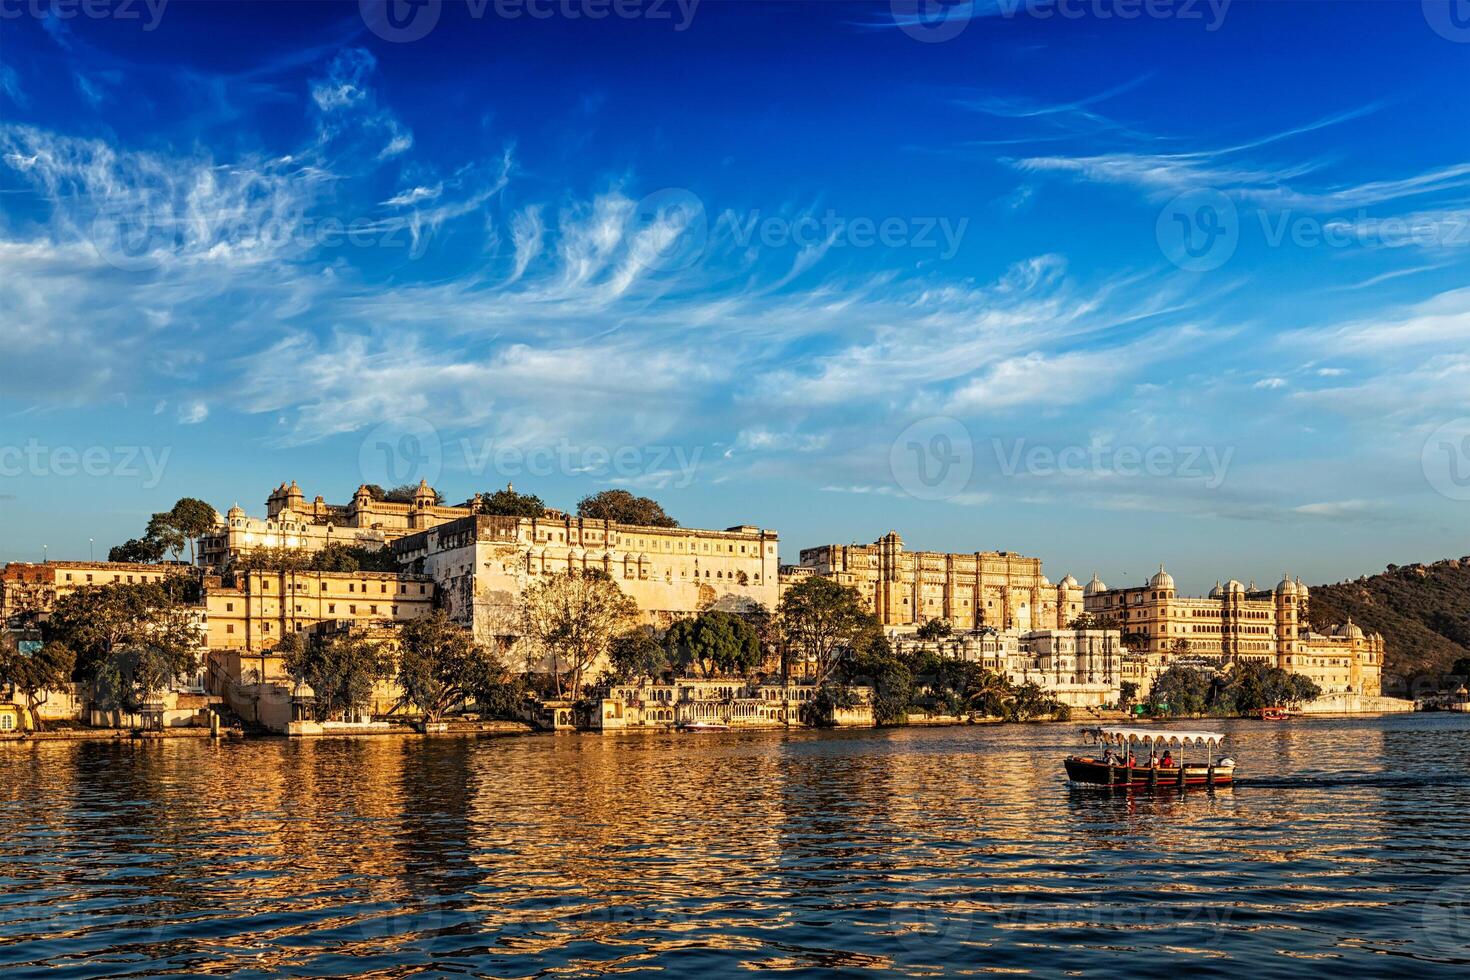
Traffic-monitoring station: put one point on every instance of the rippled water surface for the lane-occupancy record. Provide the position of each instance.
(1345, 848)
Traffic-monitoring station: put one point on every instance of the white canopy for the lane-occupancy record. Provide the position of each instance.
(1164, 736)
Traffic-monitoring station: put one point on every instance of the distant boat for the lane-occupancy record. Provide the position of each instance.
(703, 726)
(1126, 769)
(1276, 713)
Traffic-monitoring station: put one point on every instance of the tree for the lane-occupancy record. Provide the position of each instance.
(34, 675)
(192, 518)
(715, 642)
(624, 508)
(342, 670)
(572, 619)
(129, 639)
(1127, 691)
(164, 534)
(873, 664)
(136, 550)
(508, 503)
(339, 557)
(440, 665)
(821, 620)
(934, 629)
(1087, 621)
(638, 653)
(1179, 691)
(405, 494)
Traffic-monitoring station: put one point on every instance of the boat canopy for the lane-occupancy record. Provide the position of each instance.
(1161, 736)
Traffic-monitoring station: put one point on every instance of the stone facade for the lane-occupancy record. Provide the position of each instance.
(483, 564)
(972, 590)
(1239, 623)
(260, 607)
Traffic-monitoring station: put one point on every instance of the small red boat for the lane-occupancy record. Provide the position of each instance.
(1135, 757)
(1275, 714)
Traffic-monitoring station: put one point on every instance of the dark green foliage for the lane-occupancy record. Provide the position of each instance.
(1423, 612)
(821, 621)
(137, 550)
(129, 639)
(508, 503)
(441, 666)
(934, 629)
(404, 494)
(1244, 690)
(342, 670)
(638, 653)
(715, 642)
(623, 507)
(1180, 691)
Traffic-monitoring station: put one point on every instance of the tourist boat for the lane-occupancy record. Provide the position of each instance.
(1277, 713)
(1142, 744)
(703, 726)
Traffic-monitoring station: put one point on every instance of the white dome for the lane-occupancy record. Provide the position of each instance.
(1217, 591)
(1068, 582)
(1095, 587)
(1286, 586)
(1234, 586)
(1162, 580)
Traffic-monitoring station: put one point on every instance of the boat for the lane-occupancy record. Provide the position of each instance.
(703, 726)
(1136, 747)
(1277, 713)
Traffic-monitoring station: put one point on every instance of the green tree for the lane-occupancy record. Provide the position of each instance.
(164, 535)
(934, 629)
(441, 666)
(623, 507)
(1179, 691)
(638, 653)
(342, 670)
(192, 518)
(1127, 691)
(821, 620)
(715, 642)
(34, 675)
(572, 620)
(508, 503)
(405, 494)
(129, 639)
(1087, 621)
(873, 664)
(138, 550)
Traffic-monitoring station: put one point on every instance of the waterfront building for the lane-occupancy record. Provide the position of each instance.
(1082, 668)
(1239, 623)
(483, 564)
(730, 702)
(30, 590)
(292, 521)
(969, 590)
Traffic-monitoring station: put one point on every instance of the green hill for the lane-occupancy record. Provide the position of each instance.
(1423, 612)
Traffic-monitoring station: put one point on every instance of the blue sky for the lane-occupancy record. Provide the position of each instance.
(1188, 286)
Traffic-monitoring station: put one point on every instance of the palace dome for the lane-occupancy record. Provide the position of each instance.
(1095, 587)
(1068, 582)
(1162, 580)
(1234, 586)
(1286, 586)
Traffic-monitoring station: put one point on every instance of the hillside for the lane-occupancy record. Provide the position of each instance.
(1423, 612)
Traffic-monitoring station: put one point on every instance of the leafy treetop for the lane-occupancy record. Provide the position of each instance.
(624, 508)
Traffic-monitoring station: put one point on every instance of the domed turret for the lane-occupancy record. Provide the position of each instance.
(1217, 591)
(1095, 587)
(235, 513)
(1233, 586)
(1352, 631)
(1286, 586)
(1162, 580)
(1068, 582)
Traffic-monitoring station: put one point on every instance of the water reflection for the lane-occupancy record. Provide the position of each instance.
(909, 852)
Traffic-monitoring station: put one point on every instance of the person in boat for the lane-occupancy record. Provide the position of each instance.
(1110, 758)
(1168, 760)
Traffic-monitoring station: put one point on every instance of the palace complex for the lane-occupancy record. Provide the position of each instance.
(1237, 623)
(1003, 612)
(969, 590)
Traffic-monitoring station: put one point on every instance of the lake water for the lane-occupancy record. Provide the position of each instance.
(1345, 848)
